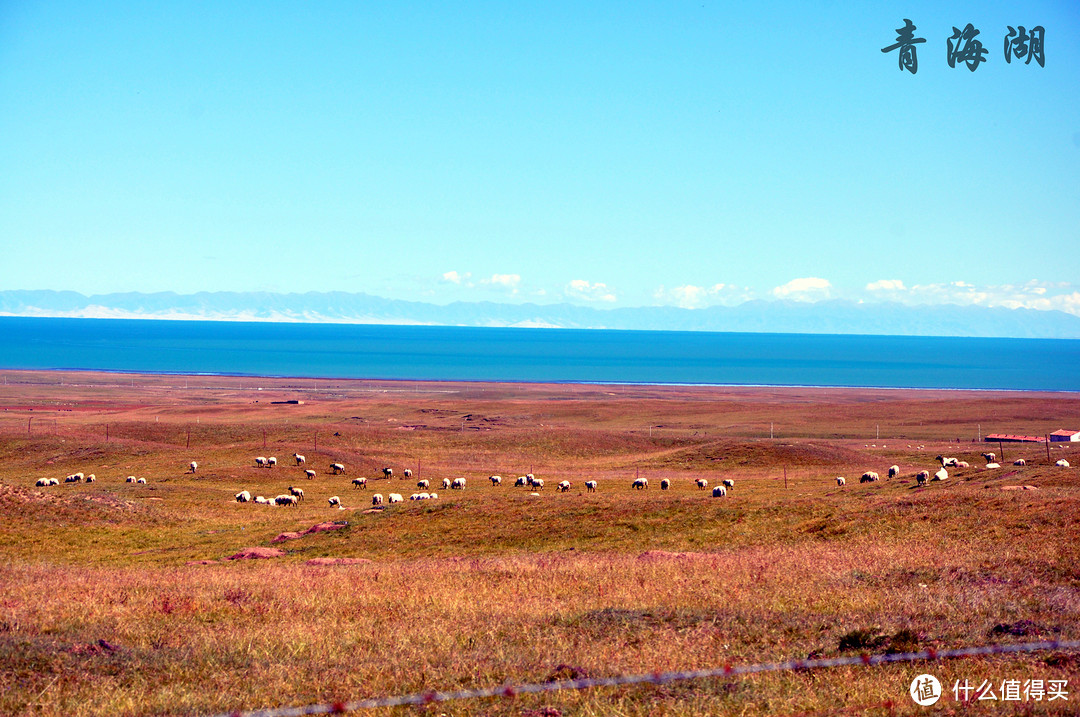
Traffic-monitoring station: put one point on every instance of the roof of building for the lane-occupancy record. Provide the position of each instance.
(1014, 438)
(1064, 432)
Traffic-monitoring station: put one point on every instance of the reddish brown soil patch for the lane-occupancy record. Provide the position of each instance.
(254, 553)
(336, 561)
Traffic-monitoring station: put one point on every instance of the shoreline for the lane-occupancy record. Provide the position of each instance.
(501, 382)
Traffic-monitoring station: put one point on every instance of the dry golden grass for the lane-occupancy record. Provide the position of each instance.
(101, 612)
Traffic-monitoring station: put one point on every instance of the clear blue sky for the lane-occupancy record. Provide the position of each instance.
(611, 154)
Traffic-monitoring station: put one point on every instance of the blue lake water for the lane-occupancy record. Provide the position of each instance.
(548, 355)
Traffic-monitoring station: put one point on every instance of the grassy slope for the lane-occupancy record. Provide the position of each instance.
(492, 584)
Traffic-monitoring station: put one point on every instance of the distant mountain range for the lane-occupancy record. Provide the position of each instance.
(823, 317)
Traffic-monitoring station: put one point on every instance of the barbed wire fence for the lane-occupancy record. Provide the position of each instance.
(656, 678)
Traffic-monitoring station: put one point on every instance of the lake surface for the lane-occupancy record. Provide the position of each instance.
(537, 355)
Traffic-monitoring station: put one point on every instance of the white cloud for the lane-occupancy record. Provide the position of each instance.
(510, 281)
(885, 285)
(454, 277)
(807, 289)
(586, 291)
(689, 296)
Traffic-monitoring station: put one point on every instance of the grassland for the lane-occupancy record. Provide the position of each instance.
(117, 598)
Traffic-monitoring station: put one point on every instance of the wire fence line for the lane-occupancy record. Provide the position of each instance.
(657, 678)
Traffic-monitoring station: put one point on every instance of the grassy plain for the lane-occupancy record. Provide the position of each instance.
(105, 607)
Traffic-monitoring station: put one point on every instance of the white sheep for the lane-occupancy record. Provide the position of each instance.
(457, 484)
(719, 492)
(90, 478)
(131, 479)
(260, 461)
(414, 496)
(298, 492)
(664, 484)
(538, 483)
(840, 481)
(242, 497)
(334, 500)
(728, 483)
(962, 464)
(869, 477)
(944, 461)
(941, 475)
(300, 460)
(434, 496)
(702, 484)
(590, 486)
(43, 482)
(359, 483)
(445, 483)
(260, 499)
(192, 467)
(286, 500)
(521, 482)
(1019, 462)
(337, 468)
(529, 478)
(407, 473)
(377, 499)
(423, 483)
(395, 498)
(271, 462)
(141, 480)
(1062, 463)
(563, 486)
(989, 457)
(388, 472)
(894, 471)
(640, 484)
(309, 473)
(495, 480)
(922, 476)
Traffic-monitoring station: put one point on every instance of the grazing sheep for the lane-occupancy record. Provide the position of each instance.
(395, 498)
(869, 477)
(388, 472)
(43, 482)
(664, 484)
(989, 457)
(946, 461)
(495, 480)
(260, 499)
(377, 499)
(457, 484)
(423, 483)
(141, 480)
(563, 486)
(941, 474)
(894, 471)
(192, 467)
(529, 478)
(300, 460)
(271, 462)
(962, 464)
(1062, 463)
(521, 482)
(414, 496)
(407, 473)
(260, 462)
(337, 468)
(242, 497)
(445, 483)
(840, 481)
(719, 492)
(702, 484)
(434, 496)
(922, 476)
(590, 486)
(538, 483)
(359, 483)
(310, 474)
(131, 479)
(298, 492)
(286, 500)
(728, 483)
(334, 500)
(1019, 462)
(991, 466)
(74, 478)
(90, 478)
(640, 484)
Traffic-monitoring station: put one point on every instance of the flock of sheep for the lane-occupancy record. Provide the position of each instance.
(79, 478)
(924, 476)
